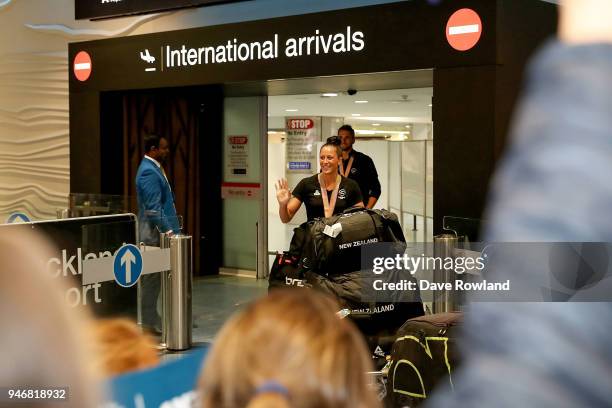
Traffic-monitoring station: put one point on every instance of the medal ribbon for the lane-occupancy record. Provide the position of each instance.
(328, 206)
(348, 167)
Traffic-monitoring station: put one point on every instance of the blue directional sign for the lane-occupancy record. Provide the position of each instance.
(17, 217)
(299, 165)
(128, 265)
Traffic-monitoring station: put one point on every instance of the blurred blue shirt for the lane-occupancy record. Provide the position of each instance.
(554, 185)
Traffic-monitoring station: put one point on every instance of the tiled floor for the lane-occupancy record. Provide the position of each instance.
(216, 298)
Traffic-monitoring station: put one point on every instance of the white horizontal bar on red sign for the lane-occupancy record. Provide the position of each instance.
(464, 29)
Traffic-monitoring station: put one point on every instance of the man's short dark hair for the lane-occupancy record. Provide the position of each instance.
(348, 128)
(150, 141)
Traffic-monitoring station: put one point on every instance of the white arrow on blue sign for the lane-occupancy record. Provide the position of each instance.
(127, 266)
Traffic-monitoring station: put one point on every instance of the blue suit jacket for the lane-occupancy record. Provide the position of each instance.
(156, 211)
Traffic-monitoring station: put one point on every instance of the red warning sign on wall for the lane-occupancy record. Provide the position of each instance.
(249, 191)
(464, 29)
(82, 66)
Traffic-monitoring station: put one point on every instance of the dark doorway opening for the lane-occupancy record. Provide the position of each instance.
(191, 119)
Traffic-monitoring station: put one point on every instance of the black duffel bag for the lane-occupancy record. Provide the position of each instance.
(288, 267)
(332, 264)
(335, 268)
(286, 271)
(340, 254)
(424, 356)
(372, 318)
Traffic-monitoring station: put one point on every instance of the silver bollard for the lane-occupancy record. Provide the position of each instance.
(180, 316)
(164, 242)
(444, 301)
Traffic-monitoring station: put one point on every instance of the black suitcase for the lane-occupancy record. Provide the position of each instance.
(423, 357)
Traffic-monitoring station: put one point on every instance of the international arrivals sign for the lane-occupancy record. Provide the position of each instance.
(342, 42)
(97, 9)
(235, 51)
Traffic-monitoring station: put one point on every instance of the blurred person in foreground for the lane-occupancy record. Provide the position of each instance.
(553, 186)
(288, 350)
(43, 339)
(119, 346)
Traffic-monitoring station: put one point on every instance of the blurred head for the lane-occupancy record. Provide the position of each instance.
(292, 338)
(120, 347)
(346, 134)
(43, 340)
(329, 158)
(157, 147)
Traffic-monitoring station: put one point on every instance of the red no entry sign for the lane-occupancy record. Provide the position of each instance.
(464, 29)
(82, 66)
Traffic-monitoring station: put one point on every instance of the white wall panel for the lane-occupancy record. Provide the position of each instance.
(34, 117)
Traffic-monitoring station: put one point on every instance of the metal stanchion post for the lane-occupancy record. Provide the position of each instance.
(141, 246)
(179, 300)
(444, 300)
(164, 242)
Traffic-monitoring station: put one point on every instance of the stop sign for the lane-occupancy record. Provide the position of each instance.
(464, 29)
(82, 66)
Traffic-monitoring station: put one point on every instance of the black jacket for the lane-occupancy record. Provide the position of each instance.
(364, 173)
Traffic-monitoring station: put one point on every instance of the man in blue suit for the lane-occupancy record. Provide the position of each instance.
(156, 213)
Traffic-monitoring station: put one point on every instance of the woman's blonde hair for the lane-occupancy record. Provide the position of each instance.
(293, 340)
(120, 346)
(44, 344)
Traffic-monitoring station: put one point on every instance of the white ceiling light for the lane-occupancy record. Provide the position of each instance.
(430, 105)
(361, 101)
(378, 132)
(291, 110)
(378, 119)
(329, 94)
(375, 124)
(355, 114)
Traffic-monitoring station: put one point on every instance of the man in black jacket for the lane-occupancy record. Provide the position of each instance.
(359, 167)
